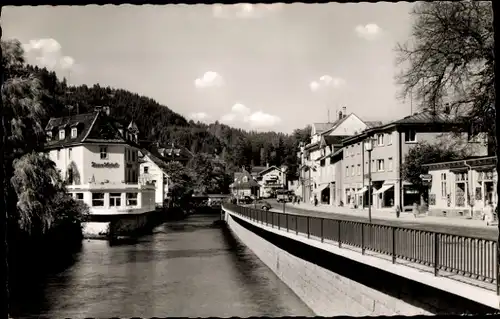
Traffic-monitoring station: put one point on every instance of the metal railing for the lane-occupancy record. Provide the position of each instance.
(456, 257)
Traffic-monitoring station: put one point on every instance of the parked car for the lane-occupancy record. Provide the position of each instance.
(264, 205)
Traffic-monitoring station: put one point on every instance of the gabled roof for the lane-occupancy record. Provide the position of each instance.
(94, 127)
(156, 160)
(336, 124)
(267, 169)
(424, 119)
(318, 128)
(257, 169)
(372, 124)
(333, 140)
(240, 184)
(174, 153)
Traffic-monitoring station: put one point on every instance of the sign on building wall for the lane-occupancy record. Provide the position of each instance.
(105, 165)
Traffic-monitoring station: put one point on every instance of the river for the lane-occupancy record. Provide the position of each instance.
(189, 268)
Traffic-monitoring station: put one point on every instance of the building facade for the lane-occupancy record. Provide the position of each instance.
(462, 188)
(390, 144)
(98, 158)
(152, 170)
(244, 185)
(270, 179)
(318, 171)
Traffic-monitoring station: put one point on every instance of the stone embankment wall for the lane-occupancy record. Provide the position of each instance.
(328, 293)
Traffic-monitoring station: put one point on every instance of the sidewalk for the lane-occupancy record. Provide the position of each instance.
(386, 215)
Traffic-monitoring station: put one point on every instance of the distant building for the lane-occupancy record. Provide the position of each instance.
(244, 185)
(458, 188)
(153, 170)
(175, 153)
(270, 179)
(98, 158)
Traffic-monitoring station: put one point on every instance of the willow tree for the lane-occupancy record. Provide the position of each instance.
(448, 63)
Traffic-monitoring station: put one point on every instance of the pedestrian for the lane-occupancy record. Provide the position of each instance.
(315, 200)
(298, 200)
(415, 209)
(398, 211)
(488, 213)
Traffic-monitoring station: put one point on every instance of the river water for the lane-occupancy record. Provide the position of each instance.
(189, 268)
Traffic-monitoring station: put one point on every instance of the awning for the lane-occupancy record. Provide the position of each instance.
(362, 191)
(383, 188)
(321, 188)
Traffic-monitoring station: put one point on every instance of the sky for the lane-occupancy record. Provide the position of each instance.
(261, 67)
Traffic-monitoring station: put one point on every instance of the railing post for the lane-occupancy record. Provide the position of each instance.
(393, 244)
(339, 237)
(497, 262)
(296, 224)
(286, 223)
(362, 238)
(322, 238)
(308, 231)
(279, 220)
(436, 254)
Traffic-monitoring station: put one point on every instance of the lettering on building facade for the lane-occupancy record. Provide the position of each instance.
(105, 165)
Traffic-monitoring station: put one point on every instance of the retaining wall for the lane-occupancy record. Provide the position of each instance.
(345, 287)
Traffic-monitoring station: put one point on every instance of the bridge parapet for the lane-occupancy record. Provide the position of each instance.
(468, 260)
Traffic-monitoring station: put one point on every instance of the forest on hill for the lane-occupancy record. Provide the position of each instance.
(158, 123)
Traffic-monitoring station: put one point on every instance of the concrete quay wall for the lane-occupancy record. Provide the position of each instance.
(332, 285)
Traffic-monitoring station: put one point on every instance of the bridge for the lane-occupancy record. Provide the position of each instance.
(370, 268)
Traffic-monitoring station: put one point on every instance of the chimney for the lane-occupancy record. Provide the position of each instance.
(344, 111)
(340, 115)
(267, 164)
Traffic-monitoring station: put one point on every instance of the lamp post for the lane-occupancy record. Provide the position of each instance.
(369, 149)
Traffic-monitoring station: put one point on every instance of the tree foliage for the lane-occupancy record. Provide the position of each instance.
(180, 182)
(450, 60)
(425, 153)
(209, 174)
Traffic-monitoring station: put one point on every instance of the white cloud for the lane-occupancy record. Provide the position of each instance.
(326, 81)
(244, 10)
(48, 53)
(256, 120)
(369, 31)
(259, 120)
(240, 109)
(199, 116)
(209, 79)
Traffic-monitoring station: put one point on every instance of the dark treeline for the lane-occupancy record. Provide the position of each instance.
(158, 123)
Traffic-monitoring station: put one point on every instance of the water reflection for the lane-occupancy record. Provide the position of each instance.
(187, 268)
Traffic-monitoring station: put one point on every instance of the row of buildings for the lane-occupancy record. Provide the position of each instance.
(259, 181)
(105, 165)
(342, 156)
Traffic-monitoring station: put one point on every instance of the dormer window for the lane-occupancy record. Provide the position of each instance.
(74, 132)
(62, 134)
(49, 135)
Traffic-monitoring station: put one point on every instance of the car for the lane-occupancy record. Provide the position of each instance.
(264, 205)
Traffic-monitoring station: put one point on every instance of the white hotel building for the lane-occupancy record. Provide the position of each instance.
(98, 158)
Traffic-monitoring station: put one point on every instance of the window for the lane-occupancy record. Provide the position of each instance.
(380, 140)
(359, 169)
(104, 152)
(134, 176)
(322, 162)
(98, 199)
(69, 152)
(62, 134)
(389, 138)
(131, 199)
(347, 171)
(79, 196)
(70, 176)
(353, 172)
(74, 132)
(58, 154)
(380, 164)
(443, 185)
(146, 170)
(133, 156)
(115, 199)
(410, 136)
(389, 164)
(359, 148)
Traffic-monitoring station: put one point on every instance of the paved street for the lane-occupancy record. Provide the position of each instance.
(463, 227)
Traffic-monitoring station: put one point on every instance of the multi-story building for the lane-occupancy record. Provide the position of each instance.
(244, 185)
(318, 170)
(458, 188)
(98, 159)
(153, 170)
(270, 179)
(391, 143)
